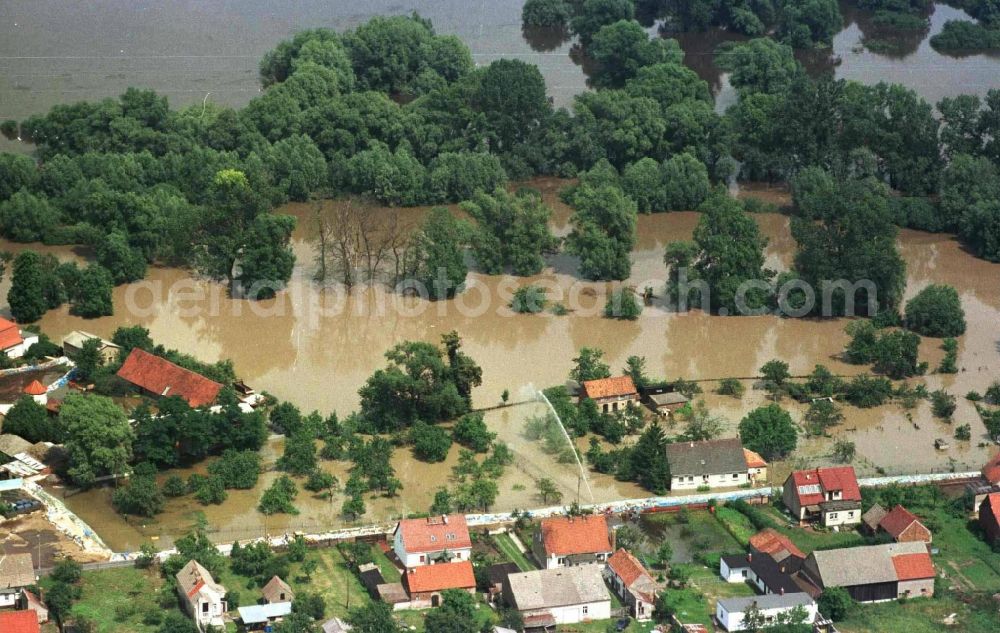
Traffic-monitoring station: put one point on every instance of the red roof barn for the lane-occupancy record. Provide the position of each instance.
(162, 378)
(989, 516)
(903, 526)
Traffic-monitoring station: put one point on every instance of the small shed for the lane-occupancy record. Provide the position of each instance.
(277, 590)
(258, 616)
(666, 402)
(871, 518)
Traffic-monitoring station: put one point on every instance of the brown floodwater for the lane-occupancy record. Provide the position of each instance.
(318, 358)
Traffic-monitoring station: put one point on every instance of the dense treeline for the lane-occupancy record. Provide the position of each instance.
(962, 35)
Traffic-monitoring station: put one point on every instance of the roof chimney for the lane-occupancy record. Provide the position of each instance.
(749, 556)
(444, 517)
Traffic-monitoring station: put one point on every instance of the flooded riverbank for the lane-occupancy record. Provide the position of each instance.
(320, 359)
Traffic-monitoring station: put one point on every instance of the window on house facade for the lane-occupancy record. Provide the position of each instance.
(585, 609)
(736, 475)
(204, 607)
(832, 515)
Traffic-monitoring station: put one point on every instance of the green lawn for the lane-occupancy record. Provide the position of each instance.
(389, 571)
(920, 616)
(736, 523)
(116, 600)
(690, 605)
(506, 545)
(808, 539)
(964, 558)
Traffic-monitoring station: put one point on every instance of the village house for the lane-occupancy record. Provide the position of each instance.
(899, 523)
(435, 539)
(37, 391)
(160, 378)
(988, 483)
(989, 517)
(73, 343)
(14, 342)
(550, 597)
(19, 622)
(425, 583)
(566, 541)
(202, 597)
(16, 572)
(610, 394)
(712, 463)
(277, 591)
(775, 544)
(633, 584)
(731, 613)
(874, 573)
(766, 574)
(829, 495)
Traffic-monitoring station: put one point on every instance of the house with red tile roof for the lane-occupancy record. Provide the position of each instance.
(756, 467)
(426, 582)
(610, 394)
(989, 517)
(991, 470)
(564, 541)
(830, 496)
(202, 598)
(904, 527)
(13, 341)
(775, 544)
(19, 622)
(435, 539)
(633, 584)
(160, 378)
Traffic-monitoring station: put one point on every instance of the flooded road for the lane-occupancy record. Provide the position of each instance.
(319, 358)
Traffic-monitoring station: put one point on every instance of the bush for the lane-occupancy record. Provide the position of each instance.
(731, 387)
(963, 432)
(528, 300)
(237, 469)
(139, 496)
(430, 443)
(936, 311)
(867, 391)
(835, 603)
(942, 404)
(471, 432)
(210, 491)
(622, 304)
(174, 486)
(546, 13)
(279, 497)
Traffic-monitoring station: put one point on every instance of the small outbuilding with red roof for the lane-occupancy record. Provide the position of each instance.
(160, 378)
(610, 394)
(830, 496)
(904, 527)
(633, 584)
(19, 622)
(565, 541)
(434, 539)
(426, 582)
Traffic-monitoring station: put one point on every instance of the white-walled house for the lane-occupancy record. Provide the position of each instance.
(202, 597)
(730, 613)
(436, 539)
(633, 584)
(16, 572)
(13, 341)
(713, 464)
(566, 595)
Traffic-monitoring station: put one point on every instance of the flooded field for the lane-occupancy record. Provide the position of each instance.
(319, 358)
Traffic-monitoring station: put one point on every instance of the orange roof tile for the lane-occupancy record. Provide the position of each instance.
(992, 503)
(825, 479)
(10, 334)
(434, 534)
(609, 387)
(626, 566)
(898, 519)
(19, 622)
(754, 460)
(991, 471)
(442, 576)
(35, 388)
(770, 541)
(565, 536)
(913, 566)
(160, 376)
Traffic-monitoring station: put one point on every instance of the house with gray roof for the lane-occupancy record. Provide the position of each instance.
(16, 571)
(564, 595)
(731, 613)
(713, 463)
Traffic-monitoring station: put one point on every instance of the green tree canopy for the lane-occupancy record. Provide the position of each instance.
(769, 431)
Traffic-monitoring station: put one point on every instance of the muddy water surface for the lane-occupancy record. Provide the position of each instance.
(319, 359)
